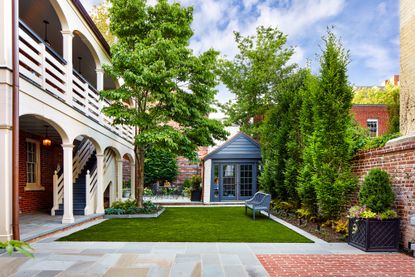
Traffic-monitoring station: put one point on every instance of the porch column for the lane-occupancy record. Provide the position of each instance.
(132, 180)
(67, 184)
(67, 55)
(100, 184)
(6, 120)
(100, 86)
(119, 178)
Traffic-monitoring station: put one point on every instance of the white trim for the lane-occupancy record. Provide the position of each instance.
(36, 185)
(377, 124)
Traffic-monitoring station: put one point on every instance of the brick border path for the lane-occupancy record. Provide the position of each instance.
(338, 265)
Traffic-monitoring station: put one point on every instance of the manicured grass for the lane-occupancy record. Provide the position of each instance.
(213, 224)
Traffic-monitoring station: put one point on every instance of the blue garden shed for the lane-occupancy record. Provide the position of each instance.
(231, 170)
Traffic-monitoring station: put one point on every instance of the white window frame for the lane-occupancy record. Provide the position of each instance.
(36, 185)
(377, 124)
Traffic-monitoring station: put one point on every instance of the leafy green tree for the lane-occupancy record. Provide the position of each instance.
(254, 74)
(171, 88)
(100, 16)
(159, 165)
(326, 173)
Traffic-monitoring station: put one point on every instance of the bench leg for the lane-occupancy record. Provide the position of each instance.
(269, 214)
(246, 212)
(253, 211)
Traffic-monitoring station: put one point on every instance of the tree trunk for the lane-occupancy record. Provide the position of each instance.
(139, 175)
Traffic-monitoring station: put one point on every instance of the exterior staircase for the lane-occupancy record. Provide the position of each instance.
(79, 189)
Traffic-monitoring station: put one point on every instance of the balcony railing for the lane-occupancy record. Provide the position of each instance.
(45, 68)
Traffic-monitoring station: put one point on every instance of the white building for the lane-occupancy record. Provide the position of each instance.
(61, 54)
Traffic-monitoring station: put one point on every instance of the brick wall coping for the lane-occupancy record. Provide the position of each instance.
(395, 145)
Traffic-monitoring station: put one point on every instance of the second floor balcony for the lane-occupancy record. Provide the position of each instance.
(64, 63)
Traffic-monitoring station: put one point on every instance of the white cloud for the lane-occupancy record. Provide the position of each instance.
(375, 57)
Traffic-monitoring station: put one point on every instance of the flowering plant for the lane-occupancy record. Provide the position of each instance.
(364, 212)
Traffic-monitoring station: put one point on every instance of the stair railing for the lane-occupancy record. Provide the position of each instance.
(91, 181)
(83, 153)
(57, 191)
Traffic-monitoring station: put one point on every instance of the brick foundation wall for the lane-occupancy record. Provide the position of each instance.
(364, 112)
(399, 161)
(31, 201)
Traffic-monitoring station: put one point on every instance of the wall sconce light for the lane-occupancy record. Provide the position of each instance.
(46, 141)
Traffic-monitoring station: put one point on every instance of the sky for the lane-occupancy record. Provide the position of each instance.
(369, 29)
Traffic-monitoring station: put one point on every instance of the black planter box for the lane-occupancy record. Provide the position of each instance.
(196, 195)
(374, 235)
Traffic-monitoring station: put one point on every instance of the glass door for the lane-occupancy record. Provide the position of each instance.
(229, 182)
(246, 181)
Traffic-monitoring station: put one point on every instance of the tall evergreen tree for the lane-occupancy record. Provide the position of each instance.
(281, 141)
(326, 173)
(171, 88)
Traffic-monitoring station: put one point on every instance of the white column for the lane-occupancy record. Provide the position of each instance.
(67, 184)
(100, 184)
(132, 180)
(67, 55)
(100, 78)
(5, 120)
(119, 179)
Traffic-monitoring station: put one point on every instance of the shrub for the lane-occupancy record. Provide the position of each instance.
(130, 207)
(341, 226)
(376, 192)
(187, 183)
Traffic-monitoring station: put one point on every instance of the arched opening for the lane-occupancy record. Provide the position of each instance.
(85, 179)
(85, 61)
(45, 21)
(41, 155)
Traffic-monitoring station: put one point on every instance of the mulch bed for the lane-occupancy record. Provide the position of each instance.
(325, 233)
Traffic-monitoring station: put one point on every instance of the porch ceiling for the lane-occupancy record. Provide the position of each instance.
(36, 126)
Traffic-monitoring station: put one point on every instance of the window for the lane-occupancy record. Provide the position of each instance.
(372, 125)
(33, 165)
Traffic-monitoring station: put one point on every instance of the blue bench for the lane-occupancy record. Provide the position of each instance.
(260, 202)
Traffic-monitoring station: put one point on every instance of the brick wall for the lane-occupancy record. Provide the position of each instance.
(364, 112)
(407, 66)
(399, 161)
(31, 201)
(187, 168)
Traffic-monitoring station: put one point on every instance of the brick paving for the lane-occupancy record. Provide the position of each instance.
(338, 265)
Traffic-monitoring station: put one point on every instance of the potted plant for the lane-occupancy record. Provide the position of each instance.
(196, 190)
(374, 226)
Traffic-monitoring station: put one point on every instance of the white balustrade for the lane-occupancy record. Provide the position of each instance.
(48, 70)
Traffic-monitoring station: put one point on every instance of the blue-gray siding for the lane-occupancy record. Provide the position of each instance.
(240, 147)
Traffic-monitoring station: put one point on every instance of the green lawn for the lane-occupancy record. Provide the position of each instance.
(213, 224)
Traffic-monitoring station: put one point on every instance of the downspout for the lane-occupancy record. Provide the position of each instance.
(15, 120)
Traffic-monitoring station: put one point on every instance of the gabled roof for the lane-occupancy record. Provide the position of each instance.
(240, 146)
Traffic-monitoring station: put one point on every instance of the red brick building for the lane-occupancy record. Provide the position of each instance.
(372, 116)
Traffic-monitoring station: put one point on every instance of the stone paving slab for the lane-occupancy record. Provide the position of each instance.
(392, 265)
(157, 259)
